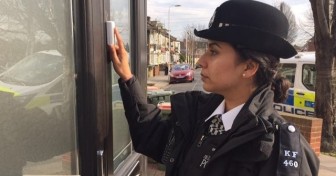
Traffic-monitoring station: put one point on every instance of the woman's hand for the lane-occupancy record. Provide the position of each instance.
(119, 57)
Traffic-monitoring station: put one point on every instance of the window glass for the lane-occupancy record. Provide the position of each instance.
(36, 69)
(37, 99)
(288, 71)
(122, 148)
(309, 76)
(180, 67)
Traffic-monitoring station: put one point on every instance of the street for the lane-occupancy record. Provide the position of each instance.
(187, 86)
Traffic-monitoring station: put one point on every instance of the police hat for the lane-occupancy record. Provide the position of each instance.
(252, 25)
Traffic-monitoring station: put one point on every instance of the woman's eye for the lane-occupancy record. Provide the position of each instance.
(212, 52)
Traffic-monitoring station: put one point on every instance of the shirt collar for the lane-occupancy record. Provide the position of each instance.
(227, 117)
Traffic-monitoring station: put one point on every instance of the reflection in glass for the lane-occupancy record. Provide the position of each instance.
(121, 138)
(37, 122)
(36, 69)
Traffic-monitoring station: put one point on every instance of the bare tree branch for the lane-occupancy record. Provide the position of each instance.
(293, 28)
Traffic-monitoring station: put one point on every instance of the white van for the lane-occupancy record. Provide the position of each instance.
(300, 71)
(35, 81)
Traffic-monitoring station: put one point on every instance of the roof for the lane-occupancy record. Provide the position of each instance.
(300, 57)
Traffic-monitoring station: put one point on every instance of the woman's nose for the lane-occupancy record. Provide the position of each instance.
(201, 61)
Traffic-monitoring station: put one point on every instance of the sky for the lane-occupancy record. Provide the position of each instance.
(199, 12)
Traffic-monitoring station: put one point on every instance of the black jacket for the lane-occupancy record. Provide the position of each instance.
(259, 142)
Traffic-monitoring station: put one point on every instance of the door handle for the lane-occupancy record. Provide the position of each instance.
(100, 163)
(300, 93)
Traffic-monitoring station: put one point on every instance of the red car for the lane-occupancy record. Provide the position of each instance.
(181, 73)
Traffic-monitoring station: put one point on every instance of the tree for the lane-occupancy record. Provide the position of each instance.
(182, 58)
(193, 43)
(35, 19)
(306, 25)
(324, 13)
(293, 27)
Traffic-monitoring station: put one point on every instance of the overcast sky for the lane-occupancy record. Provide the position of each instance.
(199, 12)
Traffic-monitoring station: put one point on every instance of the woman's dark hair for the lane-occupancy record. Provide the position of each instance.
(280, 86)
(267, 72)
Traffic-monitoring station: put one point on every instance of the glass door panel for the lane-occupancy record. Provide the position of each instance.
(122, 147)
(37, 88)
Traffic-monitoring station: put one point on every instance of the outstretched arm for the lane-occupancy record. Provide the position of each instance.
(148, 131)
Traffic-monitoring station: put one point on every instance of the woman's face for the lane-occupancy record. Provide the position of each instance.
(222, 70)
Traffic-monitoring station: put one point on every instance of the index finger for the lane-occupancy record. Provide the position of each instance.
(119, 39)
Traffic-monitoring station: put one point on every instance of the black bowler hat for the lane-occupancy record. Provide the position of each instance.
(250, 24)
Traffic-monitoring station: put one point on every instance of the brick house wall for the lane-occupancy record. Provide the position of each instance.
(311, 129)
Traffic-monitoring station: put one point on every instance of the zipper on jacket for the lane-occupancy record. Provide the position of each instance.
(204, 135)
(200, 142)
(169, 148)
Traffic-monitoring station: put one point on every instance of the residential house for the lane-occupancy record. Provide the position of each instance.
(158, 51)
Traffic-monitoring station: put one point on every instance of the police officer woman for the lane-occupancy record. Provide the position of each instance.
(234, 130)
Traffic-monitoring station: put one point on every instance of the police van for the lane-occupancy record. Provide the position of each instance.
(36, 81)
(300, 71)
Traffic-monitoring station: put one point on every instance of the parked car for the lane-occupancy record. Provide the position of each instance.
(36, 81)
(300, 71)
(181, 73)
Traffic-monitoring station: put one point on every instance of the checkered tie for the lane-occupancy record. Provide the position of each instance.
(216, 126)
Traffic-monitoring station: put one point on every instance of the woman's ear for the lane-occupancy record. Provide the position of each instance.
(250, 69)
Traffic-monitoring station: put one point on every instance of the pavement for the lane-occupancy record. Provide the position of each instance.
(160, 81)
(327, 163)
